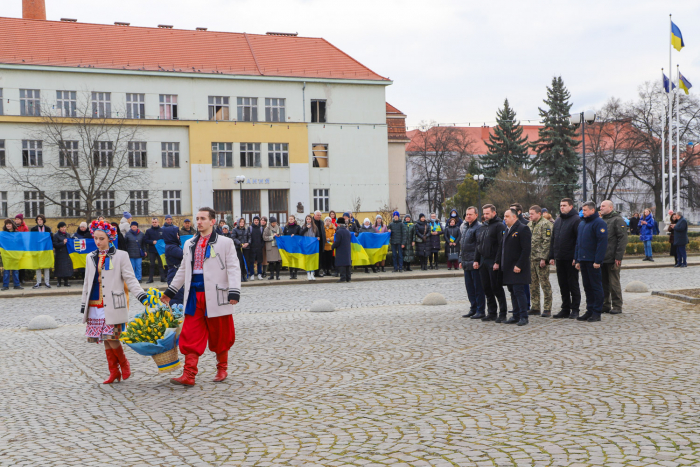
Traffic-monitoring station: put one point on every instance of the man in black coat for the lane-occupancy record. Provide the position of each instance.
(152, 236)
(488, 246)
(321, 229)
(561, 253)
(472, 280)
(257, 245)
(514, 262)
(342, 244)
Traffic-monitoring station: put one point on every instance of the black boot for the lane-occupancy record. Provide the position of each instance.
(65, 283)
(546, 314)
(502, 317)
(513, 319)
(561, 314)
(573, 315)
(489, 317)
(585, 316)
(436, 265)
(59, 283)
(383, 270)
(523, 320)
(277, 272)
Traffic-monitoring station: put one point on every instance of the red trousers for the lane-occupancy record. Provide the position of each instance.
(198, 328)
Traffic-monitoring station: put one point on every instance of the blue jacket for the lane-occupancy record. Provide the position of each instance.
(173, 248)
(646, 231)
(680, 232)
(592, 242)
(342, 244)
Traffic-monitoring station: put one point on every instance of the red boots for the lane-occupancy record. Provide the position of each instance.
(123, 362)
(189, 372)
(221, 366)
(113, 363)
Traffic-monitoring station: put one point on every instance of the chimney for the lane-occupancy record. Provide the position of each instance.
(33, 9)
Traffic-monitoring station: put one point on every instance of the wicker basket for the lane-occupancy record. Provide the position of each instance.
(167, 361)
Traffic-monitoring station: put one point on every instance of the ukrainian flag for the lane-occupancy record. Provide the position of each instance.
(358, 255)
(684, 83)
(676, 37)
(160, 246)
(298, 252)
(78, 249)
(376, 245)
(26, 250)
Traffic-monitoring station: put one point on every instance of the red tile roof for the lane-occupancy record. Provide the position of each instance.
(60, 43)
(477, 134)
(396, 124)
(390, 109)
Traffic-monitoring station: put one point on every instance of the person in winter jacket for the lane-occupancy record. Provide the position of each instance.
(225, 231)
(434, 240)
(152, 236)
(617, 243)
(591, 246)
(83, 231)
(136, 247)
(20, 224)
(351, 223)
(680, 240)
(309, 230)
(367, 228)
(468, 232)
(379, 227)
(409, 251)
(274, 260)
(455, 215)
(488, 246)
(422, 241)
(241, 240)
(561, 253)
(634, 224)
(124, 223)
(646, 233)
(541, 229)
(513, 261)
(187, 228)
(399, 236)
(327, 259)
(452, 245)
(121, 243)
(173, 257)
(257, 245)
(63, 265)
(42, 227)
(292, 229)
(343, 251)
(10, 226)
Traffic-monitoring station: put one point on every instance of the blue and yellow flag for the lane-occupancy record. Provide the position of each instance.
(298, 252)
(676, 37)
(160, 246)
(375, 246)
(79, 248)
(358, 255)
(26, 250)
(684, 83)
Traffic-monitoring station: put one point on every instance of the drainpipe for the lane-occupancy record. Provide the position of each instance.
(303, 100)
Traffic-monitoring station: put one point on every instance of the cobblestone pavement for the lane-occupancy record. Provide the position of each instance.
(374, 386)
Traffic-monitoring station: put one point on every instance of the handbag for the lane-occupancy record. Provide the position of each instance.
(453, 255)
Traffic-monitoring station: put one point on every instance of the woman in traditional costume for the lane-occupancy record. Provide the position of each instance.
(105, 300)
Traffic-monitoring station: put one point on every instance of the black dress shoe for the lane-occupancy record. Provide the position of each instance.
(585, 316)
(501, 318)
(19, 287)
(512, 320)
(470, 314)
(522, 322)
(480, 316)
(149, 281)
(573, 315)
(615, 312)
(489, 317)
(594, 317)
(561, 314)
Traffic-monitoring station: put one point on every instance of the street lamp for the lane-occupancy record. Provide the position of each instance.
(240, 179)
(478, 179)
(587, 116)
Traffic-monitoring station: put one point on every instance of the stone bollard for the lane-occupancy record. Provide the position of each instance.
(322, 306)
(42, 322)
(433, 299)
(637, 287)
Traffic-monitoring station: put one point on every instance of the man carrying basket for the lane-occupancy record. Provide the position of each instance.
(211, 275)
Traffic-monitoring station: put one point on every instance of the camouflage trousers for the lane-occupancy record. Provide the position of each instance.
(540, 278)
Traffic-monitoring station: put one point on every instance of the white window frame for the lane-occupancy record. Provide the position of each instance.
(101, 104)
(3, 204)
(33, 204)
(322, 200)
(66, 103)
(219, 151)
(68, 151)
(32, 153)
(278, 154)
(247, 109)
(168, 107)
(3, 159)
(250, 155)
(103, 154)
(138, 156)
(219, 109)
(275, 109)
(138, 202)
(170, 153)
(30, 102)
(172, 202)
(70, 204)
(104, 203)
(135, 106)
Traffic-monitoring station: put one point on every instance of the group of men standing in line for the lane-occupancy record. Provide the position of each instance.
(515, 253)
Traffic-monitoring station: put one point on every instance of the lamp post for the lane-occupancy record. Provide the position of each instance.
(587, 116)
(478, 179)
(240, 179)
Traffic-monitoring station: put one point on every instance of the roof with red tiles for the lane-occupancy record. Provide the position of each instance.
(72, 44)
(390, 109)
(476, 134)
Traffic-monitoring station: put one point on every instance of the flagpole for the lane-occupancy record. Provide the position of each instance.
(678, 145)
(663, 153)
(670, 116)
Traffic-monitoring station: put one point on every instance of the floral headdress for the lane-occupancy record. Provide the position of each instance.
(105, 227)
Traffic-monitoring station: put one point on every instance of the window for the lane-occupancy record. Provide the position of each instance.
(168, 106)
(247, 109)
(137, 154)
(68, 153)
(3, 204)
(2, 153)
(321, 202)
(320, 155)
(171, 202)
(70, 204)
(619, 207)
(1, 112)
(222, 154)
(171, 154)
(274, 110)
(250, 155)
(102, 104)
(33, 203)
(66, 103)
(104, 203)
(138, 200)
(29, 102)
(250, 204)
(278, 204)
(103, 154)
(318, 111)
(218, 108)
(31, 153)
(223, 203)
(135, 106)
(278, 154)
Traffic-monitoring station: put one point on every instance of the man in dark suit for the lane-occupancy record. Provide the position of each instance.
(342, 244)
(514, 262)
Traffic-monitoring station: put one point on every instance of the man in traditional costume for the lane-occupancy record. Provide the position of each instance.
(211, 275)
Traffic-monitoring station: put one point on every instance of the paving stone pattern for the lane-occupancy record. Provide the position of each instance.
(379, 385)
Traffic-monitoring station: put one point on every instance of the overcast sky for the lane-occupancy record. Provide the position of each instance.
(453, 61)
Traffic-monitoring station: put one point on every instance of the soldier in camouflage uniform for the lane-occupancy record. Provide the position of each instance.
(539, 267)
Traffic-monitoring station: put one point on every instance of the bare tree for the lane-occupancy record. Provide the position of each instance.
(95, 164)
(517, 186)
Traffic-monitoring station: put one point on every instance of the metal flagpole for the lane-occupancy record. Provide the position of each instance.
(678, 145)
(670, 117)
(663, 155)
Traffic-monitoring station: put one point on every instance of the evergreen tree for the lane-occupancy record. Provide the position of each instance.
(556, 158)
(467, 195)
(507, 146)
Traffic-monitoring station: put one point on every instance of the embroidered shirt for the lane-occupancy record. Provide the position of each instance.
(199, 253)
(95, 299)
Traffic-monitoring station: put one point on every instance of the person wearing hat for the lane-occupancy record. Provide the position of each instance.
(187, 228)
(136, 248)
(63, 265)
(169, 221)
(19, 222)
(257, 245)
(367, 228)
(351, 223)
(125, 223)
(343, 254)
